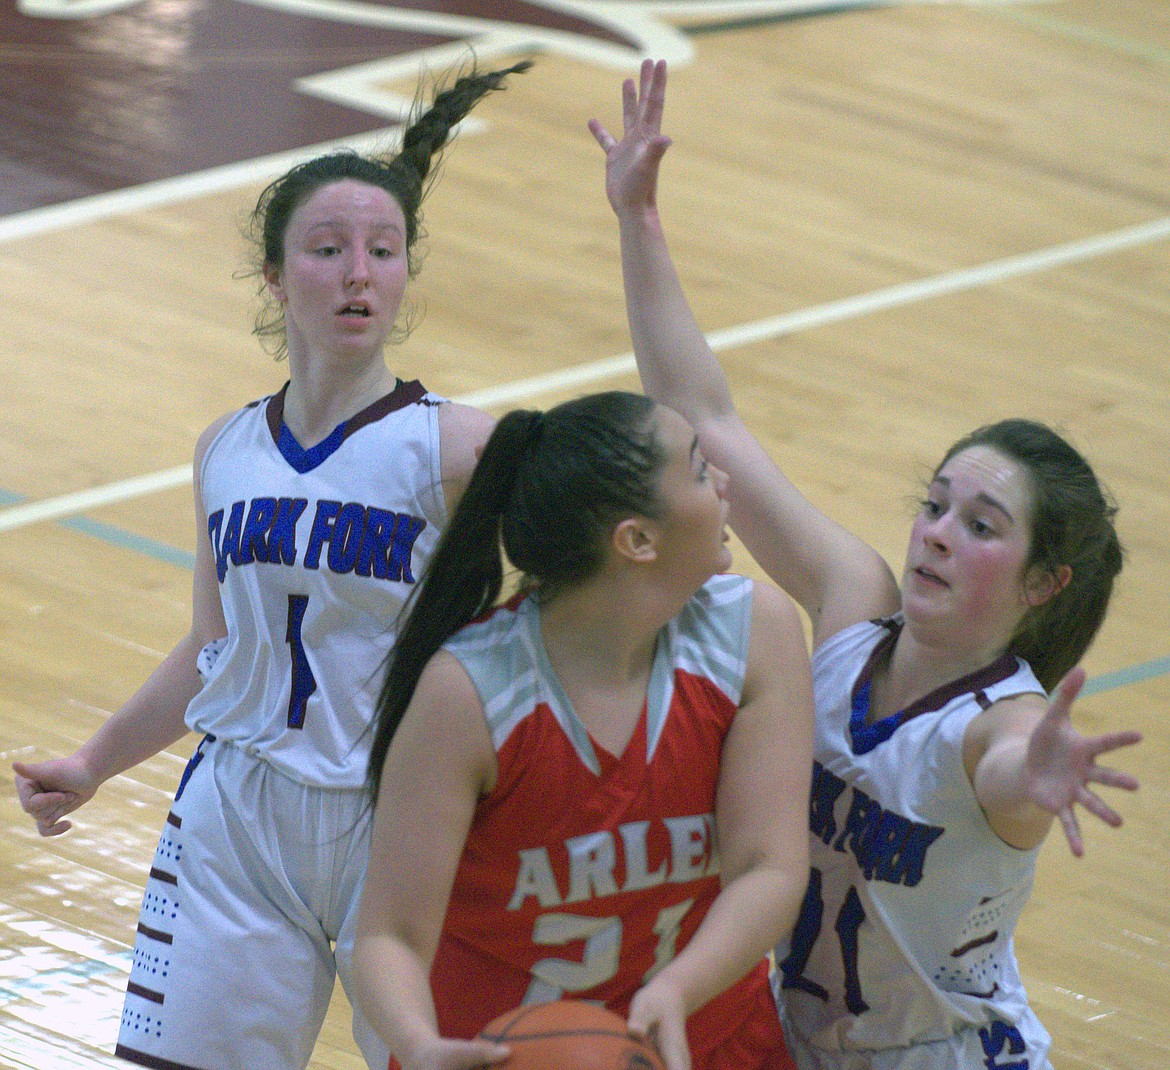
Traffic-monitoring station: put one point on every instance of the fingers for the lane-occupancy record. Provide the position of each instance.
(1098, 807)
(1114, 741)
(602, 136)
(475, 1053)
(654, 91)
(1066, 692)
(1072, 831)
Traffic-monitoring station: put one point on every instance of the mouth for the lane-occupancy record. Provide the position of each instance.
(356, 309)
(930, 577)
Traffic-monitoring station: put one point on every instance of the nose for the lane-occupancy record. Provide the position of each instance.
(936, 533)
(358, 269)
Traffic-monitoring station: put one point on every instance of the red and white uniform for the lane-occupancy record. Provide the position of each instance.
(586, 872)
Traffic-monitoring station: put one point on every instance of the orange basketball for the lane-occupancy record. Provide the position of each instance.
(569, 1035)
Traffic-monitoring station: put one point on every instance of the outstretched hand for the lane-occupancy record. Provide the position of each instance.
(50, 790)
(631, 165)
(1061, 764)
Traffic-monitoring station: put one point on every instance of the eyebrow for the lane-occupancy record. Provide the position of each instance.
(338, 224)
(982, 496)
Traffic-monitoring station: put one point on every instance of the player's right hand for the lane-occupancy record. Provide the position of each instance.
(50, 790)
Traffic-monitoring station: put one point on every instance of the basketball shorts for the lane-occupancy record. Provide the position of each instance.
(249, 914)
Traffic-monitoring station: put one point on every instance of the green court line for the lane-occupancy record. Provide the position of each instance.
(171, 555)
(1090, 35)
(752, 21)
(1133, 674)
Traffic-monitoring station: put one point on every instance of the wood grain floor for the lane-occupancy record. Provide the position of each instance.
(897, 222)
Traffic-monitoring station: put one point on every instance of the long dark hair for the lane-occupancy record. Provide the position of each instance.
(548, 490)
(1073, 525)
(406, 176)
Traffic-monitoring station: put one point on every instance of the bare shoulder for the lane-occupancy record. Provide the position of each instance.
(779, 645)
(463, 430)
(444, 726)
(775, 613)
(1008, 717)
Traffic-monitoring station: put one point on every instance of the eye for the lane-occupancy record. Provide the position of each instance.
(327, 250)
(931, 508)
(981, 528)
(703, 473)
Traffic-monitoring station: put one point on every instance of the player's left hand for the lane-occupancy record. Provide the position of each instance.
(658, 1015)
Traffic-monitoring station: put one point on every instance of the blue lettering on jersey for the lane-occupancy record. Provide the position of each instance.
(364, 540)
(996, 1039)
(888, 847)
(268, 532)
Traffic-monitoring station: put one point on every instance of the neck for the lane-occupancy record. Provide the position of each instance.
(603, 631)
(918, 665)
(322, 394)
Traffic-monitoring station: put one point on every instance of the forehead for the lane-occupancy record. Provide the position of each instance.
(982, 471)
(348, 201)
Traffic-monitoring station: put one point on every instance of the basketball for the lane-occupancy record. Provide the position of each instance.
(569, 1035)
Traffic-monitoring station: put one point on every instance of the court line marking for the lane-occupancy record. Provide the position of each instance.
(65, 507)
(1089, 35)
(15, 516)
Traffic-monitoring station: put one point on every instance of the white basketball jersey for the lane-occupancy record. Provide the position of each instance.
(315, 550)
(905, 936)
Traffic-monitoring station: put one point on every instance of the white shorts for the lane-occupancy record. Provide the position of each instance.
(249, 913)
(995, 1046)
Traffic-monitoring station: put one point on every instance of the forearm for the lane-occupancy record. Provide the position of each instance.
(392, 990)
(1003, 786)
(675, 362)
(151, 720)
(749, 917)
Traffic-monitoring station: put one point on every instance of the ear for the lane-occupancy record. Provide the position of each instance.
(1042, 586)
(636, 540)
(272, 279)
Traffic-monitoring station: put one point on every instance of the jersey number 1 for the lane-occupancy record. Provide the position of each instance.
(304, 683)
(804, 936)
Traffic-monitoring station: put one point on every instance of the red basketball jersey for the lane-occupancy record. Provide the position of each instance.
(585, 872)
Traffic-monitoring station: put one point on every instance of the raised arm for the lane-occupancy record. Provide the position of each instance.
(833, 575)
(440, 761)
(761, 815)
(151, 719)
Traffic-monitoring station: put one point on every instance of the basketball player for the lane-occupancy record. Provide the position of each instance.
(316, 509)
(553, 778)
(939, 761)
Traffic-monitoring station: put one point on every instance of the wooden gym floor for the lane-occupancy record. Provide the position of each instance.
(897, 220)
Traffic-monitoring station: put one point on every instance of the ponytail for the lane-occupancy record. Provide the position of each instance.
(462, 581)
(548, 491)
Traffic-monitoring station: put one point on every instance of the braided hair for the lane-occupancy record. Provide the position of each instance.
(406, 176)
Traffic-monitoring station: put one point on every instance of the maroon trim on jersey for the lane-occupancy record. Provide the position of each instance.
(157, 935)
(145, 993)
(155, 1063)
(164, 876)
(974, 683)
(403, 394)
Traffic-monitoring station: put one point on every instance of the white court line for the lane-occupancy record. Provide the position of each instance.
(586, 374)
